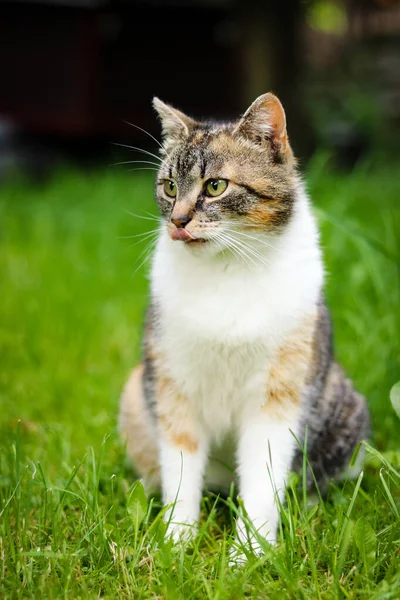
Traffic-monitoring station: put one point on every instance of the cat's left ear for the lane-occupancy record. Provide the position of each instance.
(174, 123)
(265, 121)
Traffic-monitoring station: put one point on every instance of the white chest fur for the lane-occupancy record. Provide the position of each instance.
(221, 322)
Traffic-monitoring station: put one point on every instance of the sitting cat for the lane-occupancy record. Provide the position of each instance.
(237, 353)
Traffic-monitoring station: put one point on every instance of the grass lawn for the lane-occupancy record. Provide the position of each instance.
(72, 522)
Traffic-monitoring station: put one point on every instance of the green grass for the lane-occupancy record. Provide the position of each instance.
(71, 310)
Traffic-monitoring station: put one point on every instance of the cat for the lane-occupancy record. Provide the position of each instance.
(237, 355)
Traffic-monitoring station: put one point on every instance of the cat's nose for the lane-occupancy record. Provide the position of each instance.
(181, 221)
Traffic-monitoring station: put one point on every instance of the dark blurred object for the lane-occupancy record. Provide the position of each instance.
(352, 83)
(72, 71)
(79, 68)
(76, 70)
(273, 59)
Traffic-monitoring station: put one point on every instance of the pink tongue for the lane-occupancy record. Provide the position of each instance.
(181, 234)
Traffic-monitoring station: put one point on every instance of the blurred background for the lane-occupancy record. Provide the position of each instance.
(73, 71)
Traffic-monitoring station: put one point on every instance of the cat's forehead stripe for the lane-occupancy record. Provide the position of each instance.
(187, 159)
(203, 152)
(192, 159)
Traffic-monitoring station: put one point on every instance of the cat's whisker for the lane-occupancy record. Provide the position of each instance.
(150, 218)
(238, 252)
(242, 252)
(153, 236)
(162, 147)
(219, 239)
(263, 242)
(146, 132)
(140, 150)
(143, 169)
(235, 253)
(251, 253)
(146, 248)
(258, 255)
(131, 162)
(249, 250)
(221, 247)
(158, 217)
(257, 239)
(153, 138)
(237, 249)
(242, 224)
(147, 252)
(139, 235)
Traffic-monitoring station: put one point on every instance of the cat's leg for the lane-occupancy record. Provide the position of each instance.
(138, 430)
(182, 472)
(183, 457)
(267, 440)
(265, 452)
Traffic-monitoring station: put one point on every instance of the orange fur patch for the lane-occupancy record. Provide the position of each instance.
(266, 214)
(137, 430)
(197, 137)
(176, 418)
(290, 371)
(184, 441)
(263, 214)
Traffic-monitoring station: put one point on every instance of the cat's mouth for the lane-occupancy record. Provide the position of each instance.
(183, 235)
(197, 241)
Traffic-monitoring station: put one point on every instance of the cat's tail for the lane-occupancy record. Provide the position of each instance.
(336, 423)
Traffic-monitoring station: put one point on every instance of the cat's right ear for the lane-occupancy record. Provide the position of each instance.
(175, 124)
(265, 122)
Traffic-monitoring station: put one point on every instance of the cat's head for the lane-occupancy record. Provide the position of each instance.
(220, 181)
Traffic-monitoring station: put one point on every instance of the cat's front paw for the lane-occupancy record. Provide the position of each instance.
(250, 542)
(252, 533)
(237, 557)
(240, 552)
(181, 532)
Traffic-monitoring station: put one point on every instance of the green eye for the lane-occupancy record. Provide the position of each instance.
(170, 188)
(215, 187)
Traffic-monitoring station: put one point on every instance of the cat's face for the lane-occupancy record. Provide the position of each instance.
(218, 182)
